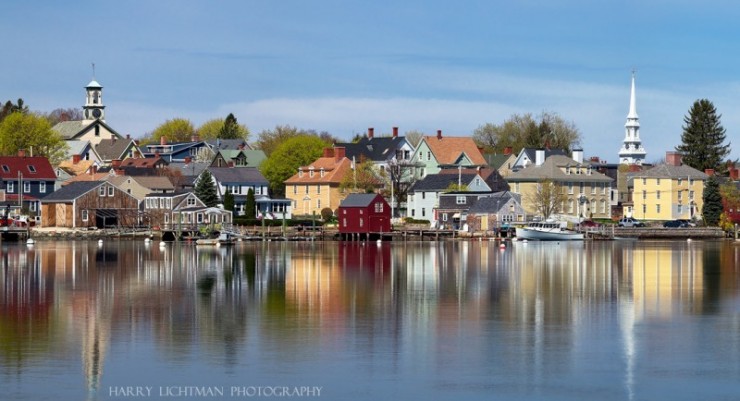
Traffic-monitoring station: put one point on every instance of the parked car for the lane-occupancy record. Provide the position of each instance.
(630, 222)
(680, 223)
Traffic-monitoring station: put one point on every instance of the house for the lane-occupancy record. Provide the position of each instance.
(586, 193)
(316, 186)
(238, 158)
(503, 163)
(533, 156)
(25, 180)
(184, 174)
(83, 149)
(667, 191)
(238, 181)
(178, 151)
(380, 150)
(452, 209)
(72, 168)
(112, 149)
(364, 214)
(437, 152)
(140, 186)
(423, 198)
(182, 210)
(89, 204)
(494, 213)
(92, 127)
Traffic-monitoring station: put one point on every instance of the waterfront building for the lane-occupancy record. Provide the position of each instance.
(181, 210)
(382, 151)
(85, 204)
(632, 151)
(364, 214)
(24, 180)
(316, 186)
(437, 152)
(496, 211)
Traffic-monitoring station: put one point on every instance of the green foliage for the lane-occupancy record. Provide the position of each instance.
(453, 187)
(520, 131)
(175, 130)
(411, 220)
(211, 129)
(205, 189)
(30, 131)
(232, 130)
(229, 200)
(712, 208)
(285, 160)
(9, 108)
(327, 214)
(364, 178)
(250, 205)
(703, 137)
(270, 140)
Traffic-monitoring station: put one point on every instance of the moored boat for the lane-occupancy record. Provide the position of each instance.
(547, 231)
(223, 239)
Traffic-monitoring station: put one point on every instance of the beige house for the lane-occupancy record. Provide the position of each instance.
(586, 192)
(316, 186)
(140, 186)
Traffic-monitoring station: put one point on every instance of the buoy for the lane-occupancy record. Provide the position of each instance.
(100, 242)
(379, 242)
(30, 241)
(147, 240)
(502, 246)
(162, 243)
(688, 239)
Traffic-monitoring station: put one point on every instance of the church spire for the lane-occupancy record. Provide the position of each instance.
(632, 151)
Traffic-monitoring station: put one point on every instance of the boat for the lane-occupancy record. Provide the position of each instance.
(223, 239)
(547, 231)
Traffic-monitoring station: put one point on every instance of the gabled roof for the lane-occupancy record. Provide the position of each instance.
(154, 183)
(72, 129)
(223, 144)
(112, 149)
(77, 147)
(254, 157)
(447, 150)
(494, 203)
(142, 162)
(31, 167)
(334, 172)
(496, 160)
(377, 149)
(71, 191)
(78, 168)
(440, 182)
(551, 170)
(358, 200)
(237, 175)
(489, 175)
(669, 171)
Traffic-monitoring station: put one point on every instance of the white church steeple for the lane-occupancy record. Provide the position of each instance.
(632, 151)
(93, 108)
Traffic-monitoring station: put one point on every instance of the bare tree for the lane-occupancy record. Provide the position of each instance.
(414, 137)
(400, 175)
(547, 198)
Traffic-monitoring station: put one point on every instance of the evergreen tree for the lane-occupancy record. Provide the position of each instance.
(230, 130)
(250, 206)
(712, 208)
(205, 189)
(703, 137)
(229, 200)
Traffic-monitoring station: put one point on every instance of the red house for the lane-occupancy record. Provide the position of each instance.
(363, 216)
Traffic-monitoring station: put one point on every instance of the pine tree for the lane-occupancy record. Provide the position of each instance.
(712, 198)
(205, 189)
(229, 200)
(250, 205)
(703, 137)
(230, 130)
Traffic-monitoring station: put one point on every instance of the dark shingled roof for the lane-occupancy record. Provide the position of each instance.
(229, 175)
(358, 200)
(492, 204)
(435, 182)
(376, 149)
(72, 191)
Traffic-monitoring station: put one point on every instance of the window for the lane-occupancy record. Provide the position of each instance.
(680, 209)
(570, 206)
(295, 189)
(567, 170)
(423, 211)
(191, 201)
(657, 181)
(306, 188)
(603, 188)
(680, 181)
(33, 206)
(691, 195)
(10, 187)
(429, 155)
(362, 221)
(318, 204)
(318, 189)
(603, 206)
(593, 188)
(344, 222)
(423, 195)
(570, 188)
(310, 172)
(460, 200)
(379, 207)
(413, 212)
(97, 130)
(691, 182)
(657, 194)
(644, 181)
(6, 168)
(101, 190)
(644, 194)
(200, 217)
(84, 215)
(477, 181)
(444, 216)
(680, 195)
(110, 190)
(166, 218)
(644, 210)
(657, 208)
(32, 169)
(516, 188)
(581, 187)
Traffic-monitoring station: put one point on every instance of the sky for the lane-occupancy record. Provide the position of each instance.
(343, 66)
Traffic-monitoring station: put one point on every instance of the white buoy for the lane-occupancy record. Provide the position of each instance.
(502, 246)
(162, 243)
(688, 239)
(524, 240)
(30, 241)
(100, 242)
(147, 240)
(379, 242)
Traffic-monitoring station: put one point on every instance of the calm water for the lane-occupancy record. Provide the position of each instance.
(621, 320)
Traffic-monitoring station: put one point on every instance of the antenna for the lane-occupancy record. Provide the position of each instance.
(93, 70)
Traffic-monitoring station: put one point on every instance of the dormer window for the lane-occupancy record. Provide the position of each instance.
(300, 173)
(321, 172)
(32, 169)
(6, 168)
(310, 172)
(567, 170)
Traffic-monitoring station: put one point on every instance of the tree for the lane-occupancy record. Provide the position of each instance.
(547, 198)
(175, 130)
(730, 206)
(712, 208)
(33, 134)
(284, 161)
(232, 130)
(205, 189)
(414, 137)
(520, 131)
(703, 137)
(399, 174)
(229, 200)
(211, 129)
(59, 115)
(10, 108)
(363, 178)
(250, 207)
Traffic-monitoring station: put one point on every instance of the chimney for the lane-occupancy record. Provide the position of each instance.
(241, 146)
(113, 138)
(595, 159)
(339, 153)
(547, 144)
(507, 150)
(673, 158)
(395, 132)
(370, 133)
(734, 173)
(93, 169)
(156, 153)
(439, 134)
(128, 136)
(163, 140)
(75, 159)
(539, 157)
(195, 138)
(188, 159)
(115, 163)
(578, 155)
(21, 152)
(119, 171)
(230, 163)
(709, 171)
(328, 152)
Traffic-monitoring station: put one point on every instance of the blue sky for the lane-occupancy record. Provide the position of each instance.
(344, 66)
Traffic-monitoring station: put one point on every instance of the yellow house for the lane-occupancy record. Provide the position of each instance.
(316, 186)
(586, 191)
(668, 191)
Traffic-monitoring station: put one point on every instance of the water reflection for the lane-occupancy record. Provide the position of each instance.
(571, 320)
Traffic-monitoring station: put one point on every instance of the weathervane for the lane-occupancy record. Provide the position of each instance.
(93, 68)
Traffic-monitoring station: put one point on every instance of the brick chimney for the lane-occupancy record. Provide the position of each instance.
(163, 140)
(93, 169)
(370, 133)
(395, 132)
(328, 152)
(21, 152)
(119, 171)
(673, 158)
(507, 150)
(115, 163)
(75, 159)
(195, 138)
(128, 136)
(709, 171)
(230, 163)
(240, 146)
(734, 173)
(339, 153)
(439, 134)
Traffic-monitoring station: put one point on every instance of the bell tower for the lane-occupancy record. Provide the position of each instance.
(632, 151)
(93, 108)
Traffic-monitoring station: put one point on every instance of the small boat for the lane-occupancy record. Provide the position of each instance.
(223, 239)
(547, 231)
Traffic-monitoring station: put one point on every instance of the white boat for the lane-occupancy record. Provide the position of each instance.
(547, 231)
(223, 239)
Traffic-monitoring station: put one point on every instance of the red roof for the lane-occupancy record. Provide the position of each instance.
(32, 168)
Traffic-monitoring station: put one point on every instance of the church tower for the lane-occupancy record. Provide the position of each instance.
(632, 151)
(93, 108)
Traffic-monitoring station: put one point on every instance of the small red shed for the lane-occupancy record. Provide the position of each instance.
(367, 214)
